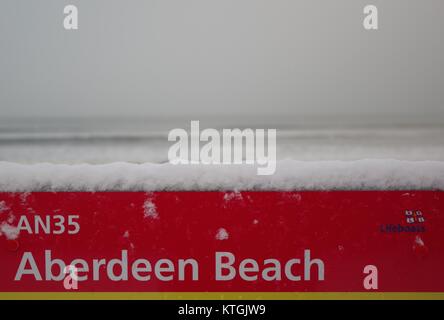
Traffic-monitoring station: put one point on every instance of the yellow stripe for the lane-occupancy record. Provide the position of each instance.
(221, 295)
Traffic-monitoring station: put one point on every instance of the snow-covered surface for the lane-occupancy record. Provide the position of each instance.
(9, 231)
(222, 234)
(149, 208)
(3, 206)
(290, 175)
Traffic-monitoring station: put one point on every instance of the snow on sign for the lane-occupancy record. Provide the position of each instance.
(215, 244)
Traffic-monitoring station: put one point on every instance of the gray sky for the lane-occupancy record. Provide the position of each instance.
(222, 57)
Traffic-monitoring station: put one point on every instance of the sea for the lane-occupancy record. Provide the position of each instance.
(144, 139)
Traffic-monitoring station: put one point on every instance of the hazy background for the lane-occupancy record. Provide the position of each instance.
(228, 57)
(136, 69)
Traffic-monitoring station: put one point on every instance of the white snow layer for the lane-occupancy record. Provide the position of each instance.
(222, 234)
(290, 175)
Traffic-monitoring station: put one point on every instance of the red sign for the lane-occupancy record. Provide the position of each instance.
(223, 242)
